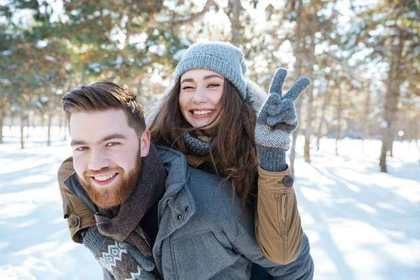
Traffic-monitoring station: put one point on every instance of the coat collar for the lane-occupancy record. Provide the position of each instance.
(177, 195)
(177, 205)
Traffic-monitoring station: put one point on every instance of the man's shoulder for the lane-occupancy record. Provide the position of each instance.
(65, 170)
(167, 154)
(202, 183)
(213, 191)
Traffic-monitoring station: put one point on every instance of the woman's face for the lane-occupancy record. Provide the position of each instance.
(199, 97)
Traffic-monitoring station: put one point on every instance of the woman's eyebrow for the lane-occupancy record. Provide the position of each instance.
(187, 80)
(205, 78)
(213, 76)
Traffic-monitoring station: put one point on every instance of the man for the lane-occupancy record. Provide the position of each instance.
(109, 141)
(131, 187)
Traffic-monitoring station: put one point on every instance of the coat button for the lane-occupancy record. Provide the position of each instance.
(74, 220)
(186, 209)
(179, 217)
(287, 181)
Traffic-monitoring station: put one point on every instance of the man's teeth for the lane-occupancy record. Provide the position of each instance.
(201, 112)
(103, 177)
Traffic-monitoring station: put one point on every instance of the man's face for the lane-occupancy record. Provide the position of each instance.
(106, 155)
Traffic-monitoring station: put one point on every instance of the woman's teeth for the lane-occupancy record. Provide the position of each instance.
(201, 112)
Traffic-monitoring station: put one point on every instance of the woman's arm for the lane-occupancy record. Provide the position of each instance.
(240, 232)
(278, 226)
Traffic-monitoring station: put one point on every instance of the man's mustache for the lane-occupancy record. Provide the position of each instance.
(92, 173)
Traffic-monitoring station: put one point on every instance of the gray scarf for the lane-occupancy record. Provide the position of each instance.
(195, 145)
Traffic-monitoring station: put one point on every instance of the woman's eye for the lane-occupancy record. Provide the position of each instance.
(187, 88)
(213, 85)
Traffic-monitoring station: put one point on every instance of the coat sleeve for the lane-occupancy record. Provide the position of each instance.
(278, 227)
(78, 216)
(242, 237)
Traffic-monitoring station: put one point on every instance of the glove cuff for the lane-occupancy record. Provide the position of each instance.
(271, 159)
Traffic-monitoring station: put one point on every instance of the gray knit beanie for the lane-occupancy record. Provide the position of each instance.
(220, 57)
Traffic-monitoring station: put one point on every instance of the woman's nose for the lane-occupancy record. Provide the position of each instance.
(199, 96)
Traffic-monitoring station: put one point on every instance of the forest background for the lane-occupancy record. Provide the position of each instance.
(362, 57)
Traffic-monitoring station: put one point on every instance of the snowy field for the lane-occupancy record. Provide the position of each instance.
(362, 224)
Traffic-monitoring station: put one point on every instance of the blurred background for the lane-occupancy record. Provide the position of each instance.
(363, 57)
(357, 149)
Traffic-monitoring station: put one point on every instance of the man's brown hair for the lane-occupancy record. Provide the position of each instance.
(101, 96)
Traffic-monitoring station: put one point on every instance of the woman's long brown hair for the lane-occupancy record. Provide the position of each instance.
(233, 145)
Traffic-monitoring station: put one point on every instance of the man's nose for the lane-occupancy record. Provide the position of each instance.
(98, 160)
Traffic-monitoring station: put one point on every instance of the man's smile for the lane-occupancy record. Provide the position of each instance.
(104, 179)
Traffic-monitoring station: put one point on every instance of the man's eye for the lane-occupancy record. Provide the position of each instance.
(112, 144)
(81, 148)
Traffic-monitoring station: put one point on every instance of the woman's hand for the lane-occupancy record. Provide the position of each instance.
(276, 120)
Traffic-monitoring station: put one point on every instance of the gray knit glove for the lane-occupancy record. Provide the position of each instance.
(276, 120)
(120, 259)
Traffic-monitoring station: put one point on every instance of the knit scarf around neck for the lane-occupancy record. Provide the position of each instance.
(197, 146)
(124, 226)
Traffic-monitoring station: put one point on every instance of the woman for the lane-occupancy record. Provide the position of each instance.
(210, 116)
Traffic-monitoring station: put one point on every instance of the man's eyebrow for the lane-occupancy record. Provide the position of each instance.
(77, 143)
(112, 136)
(106, 138)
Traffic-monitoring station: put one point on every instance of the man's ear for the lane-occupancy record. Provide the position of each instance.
(145, 143)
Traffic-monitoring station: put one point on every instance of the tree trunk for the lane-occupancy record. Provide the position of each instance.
(49, 121)
(308, 125)
(310, 61)
(365, 120)
(391, 146)
(22, 130)
(325, 102)
(234, 14)
(298, 50)
(391, 101)
(339, 116)
(2, 115)
(292, 156)
(382, 157)
(366, 113)
(417, 137)
(310, 101)
(304, 48)
(63, 126)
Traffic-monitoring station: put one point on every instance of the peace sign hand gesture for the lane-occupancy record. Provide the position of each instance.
(277, 118)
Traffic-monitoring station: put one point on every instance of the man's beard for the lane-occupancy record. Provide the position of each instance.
(111, 196)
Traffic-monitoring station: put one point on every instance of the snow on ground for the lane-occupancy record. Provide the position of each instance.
(362, 224)
(34, 240)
